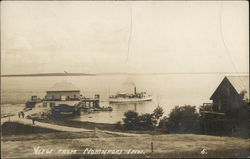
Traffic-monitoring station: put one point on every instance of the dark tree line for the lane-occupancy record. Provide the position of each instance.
(134, 121)
(182, 119)
(186, 119)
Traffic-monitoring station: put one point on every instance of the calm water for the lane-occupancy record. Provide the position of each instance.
(167, 90)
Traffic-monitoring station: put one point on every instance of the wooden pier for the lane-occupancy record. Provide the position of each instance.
(90, 102)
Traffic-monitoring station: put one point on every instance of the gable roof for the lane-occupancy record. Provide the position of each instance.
(64, 86)
(240, 83)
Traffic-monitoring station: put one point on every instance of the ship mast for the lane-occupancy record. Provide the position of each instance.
(158, 101)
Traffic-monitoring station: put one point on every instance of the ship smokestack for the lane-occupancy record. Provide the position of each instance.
(135, 90)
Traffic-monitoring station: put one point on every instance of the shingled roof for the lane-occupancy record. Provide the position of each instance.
(64, 86)
(239, 83)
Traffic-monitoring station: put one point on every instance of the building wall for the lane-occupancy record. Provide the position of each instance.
(60, 95)
(226, 97)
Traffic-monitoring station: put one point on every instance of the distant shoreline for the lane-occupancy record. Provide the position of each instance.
(48, 74)
(115, 73)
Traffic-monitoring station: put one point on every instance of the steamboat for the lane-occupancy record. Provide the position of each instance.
(130, 98)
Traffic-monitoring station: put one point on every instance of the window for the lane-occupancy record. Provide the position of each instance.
(44, 104)
(52, 104)
(219, 105)
(63, 97)
(228, 91)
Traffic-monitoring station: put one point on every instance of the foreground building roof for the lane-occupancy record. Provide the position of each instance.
(239, 83)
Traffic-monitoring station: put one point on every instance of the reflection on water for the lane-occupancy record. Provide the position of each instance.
(10, 109)
(118, 112)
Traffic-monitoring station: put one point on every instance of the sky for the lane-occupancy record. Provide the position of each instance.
(134, 37)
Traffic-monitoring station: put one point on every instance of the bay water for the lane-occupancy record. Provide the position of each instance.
(168, 91)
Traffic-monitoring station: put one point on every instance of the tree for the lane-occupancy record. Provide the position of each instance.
(130, 120)
(183, 119)
(163, 123)
(133, 121)
(243, 96)
(158, 112)
(146, 122)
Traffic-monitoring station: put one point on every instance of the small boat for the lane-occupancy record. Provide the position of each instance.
(130, 98)
(103, 109)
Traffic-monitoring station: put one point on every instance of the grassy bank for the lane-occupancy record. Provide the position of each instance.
(233, 153)
(13, 128)
(92, 126)
(174, 145)
(23, 139)
(46, 134)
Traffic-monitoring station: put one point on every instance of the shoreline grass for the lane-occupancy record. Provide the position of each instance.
(14, 128)
(101, 126)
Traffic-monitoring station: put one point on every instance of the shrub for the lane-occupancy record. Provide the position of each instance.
(163, 122)
(119, 125)
(146, 122)
(183, 119)
(133, 121)
(130, 120)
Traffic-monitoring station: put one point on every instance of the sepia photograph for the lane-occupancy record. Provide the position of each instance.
(124, 79)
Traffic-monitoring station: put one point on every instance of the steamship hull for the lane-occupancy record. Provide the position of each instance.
(129, 100)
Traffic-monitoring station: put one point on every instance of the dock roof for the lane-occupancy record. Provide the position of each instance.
(63, 86)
